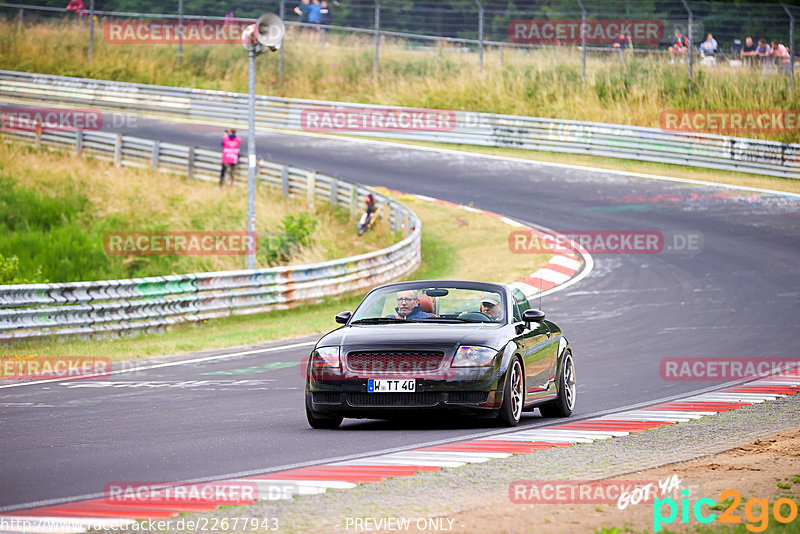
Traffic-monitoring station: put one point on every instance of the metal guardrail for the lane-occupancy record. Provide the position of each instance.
(37, 310)
(482, 129)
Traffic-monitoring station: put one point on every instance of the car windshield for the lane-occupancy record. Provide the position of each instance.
(440, 304)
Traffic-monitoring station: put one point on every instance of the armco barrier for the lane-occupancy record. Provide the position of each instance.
(483, 129)
(36, 310)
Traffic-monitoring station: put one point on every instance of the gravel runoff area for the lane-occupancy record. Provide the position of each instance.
(455, 494)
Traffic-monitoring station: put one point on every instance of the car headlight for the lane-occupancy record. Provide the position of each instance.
(326, 357)
(468, 355)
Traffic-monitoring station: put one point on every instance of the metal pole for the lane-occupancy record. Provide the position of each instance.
(251, 155)
(791, 46)
(480, 32)
(691, 43)
(377, 40)
(583, 43)
(91, 28)
(281, 14)
(180, 34)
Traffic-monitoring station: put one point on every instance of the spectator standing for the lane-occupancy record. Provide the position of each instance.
(302, 10)
(748, 50)
(709, 46)
(230, 154)
(783, 61)
(325, 17)
(314, 12)
(764, 51)
(76, 6)
(679, 47)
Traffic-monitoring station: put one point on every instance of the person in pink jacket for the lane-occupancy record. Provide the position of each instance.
(76, 6)
(230, 154)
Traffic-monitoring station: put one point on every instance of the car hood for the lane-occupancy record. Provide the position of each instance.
(417, 336)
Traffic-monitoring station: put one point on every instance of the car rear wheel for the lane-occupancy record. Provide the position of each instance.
(322, 421)
(565, 403)
(513, 395)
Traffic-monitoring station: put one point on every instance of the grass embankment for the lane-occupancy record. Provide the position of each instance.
(56, 208)
(455, 244)
(541, 83)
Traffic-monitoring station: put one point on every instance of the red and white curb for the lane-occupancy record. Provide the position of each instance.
(78, 516)
(559, 270)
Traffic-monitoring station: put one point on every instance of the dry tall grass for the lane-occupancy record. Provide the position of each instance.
(545, 82)
(133, 199)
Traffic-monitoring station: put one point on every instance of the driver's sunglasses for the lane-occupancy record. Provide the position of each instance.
(488, 305)
(405, 299)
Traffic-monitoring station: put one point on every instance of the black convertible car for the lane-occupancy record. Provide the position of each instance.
(440, 344)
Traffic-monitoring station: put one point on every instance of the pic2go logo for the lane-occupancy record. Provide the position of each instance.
(756, 511)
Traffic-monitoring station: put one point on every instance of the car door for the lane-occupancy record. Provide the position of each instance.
(538, 350)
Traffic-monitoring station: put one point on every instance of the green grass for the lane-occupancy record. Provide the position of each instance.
(533, 83)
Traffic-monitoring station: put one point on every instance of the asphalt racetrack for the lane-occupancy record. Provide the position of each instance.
(737, 297)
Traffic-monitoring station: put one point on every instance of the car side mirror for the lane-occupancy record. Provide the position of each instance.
(343, 317)
(533, 316)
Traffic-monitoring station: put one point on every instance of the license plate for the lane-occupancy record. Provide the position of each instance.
(391, 386)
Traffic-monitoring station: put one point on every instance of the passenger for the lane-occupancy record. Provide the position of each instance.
(408, 306)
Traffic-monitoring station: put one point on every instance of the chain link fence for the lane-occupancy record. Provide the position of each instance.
(569, 29)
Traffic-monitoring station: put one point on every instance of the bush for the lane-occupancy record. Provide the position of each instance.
(9, 272)
(293, 234)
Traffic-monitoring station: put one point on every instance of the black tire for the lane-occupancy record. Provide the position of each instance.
(565, 402)
(513, 395)
(321, 421)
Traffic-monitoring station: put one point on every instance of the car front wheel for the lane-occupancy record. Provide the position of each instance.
(513, 395)
(322, 421)
(565, 402)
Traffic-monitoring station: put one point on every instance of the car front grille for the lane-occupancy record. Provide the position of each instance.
(395, 362)
(394, 399)
(467, 396)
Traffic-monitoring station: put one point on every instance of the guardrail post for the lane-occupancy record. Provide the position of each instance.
(334, 192)
(118, 150)
(154, 156)
(285, 181)
(79, 142)
(480, 32)
(387, 215)
(791, 46)
(311, 186)
(377, 40)
(190, 166)
(353, 200)
(37, 136)
(407, 223)
(21, 17)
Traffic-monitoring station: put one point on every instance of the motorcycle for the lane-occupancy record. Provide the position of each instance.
(367, 221)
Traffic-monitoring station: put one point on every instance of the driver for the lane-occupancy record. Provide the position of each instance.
(490, 305)
(408, 306)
